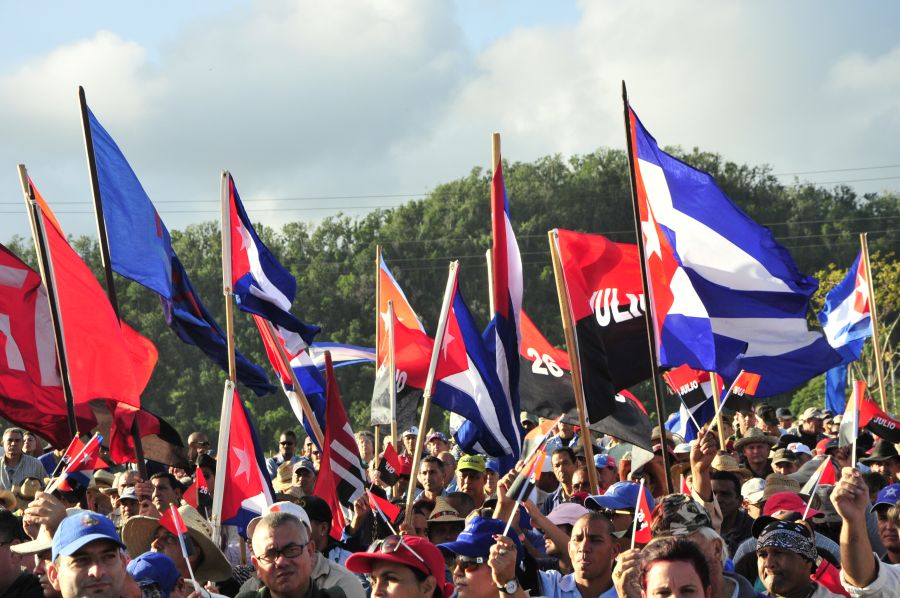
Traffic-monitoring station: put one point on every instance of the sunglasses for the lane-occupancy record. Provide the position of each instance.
(468, 564)
(392, 544)
(286, 443)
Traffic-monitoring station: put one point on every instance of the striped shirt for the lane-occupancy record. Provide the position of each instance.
(28, 467)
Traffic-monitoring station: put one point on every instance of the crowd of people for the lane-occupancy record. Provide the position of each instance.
(745, 519)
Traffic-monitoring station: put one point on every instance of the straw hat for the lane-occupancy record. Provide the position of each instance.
(776, 483)
(138, 532)
(444, 513)
(25, 492)
(725, 462)
(754, 435)
(284, 477)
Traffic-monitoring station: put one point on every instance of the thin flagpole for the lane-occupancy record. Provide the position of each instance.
(637, 508)
(429, 385)
(45, 265)
(714, 382)
(104, 256)
(651, 328)
(876, 342)
(378, 332)
(680, 398)
(565, 311)
(392, 372)
(856, 399)
(812, 493)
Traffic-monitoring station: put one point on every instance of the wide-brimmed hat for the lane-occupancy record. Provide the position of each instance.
(284, 477)
(138, 532)
(883, 451)
(101, 480)
(725, 462)
(444, 513)
(776, 483)
(26, 492)
(754, 435)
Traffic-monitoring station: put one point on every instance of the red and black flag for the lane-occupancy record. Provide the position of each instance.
(603, 282)
(389, 466)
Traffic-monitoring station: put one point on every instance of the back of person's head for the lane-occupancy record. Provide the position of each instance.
(462, 502)
(10, 527)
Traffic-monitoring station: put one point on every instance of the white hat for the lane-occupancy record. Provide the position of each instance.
(753, 489)
(280, 507)
(798, 448)
(684, 448)
(413, 431)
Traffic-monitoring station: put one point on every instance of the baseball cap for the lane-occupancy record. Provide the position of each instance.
(678, 515)
(316, 508)
(304, 463)
(566, 513)
(683, 449)
(784, 413)
(787, 501)
(798, 448)
(412, 551)
(129, 493)
(80, 529)
(889, 495)
(493, 465)
(471, 462)
(282, 506)
(621, 496)
(413, 431)
(604, 461)
(782, 456)
(477, 537)
(810, 413)
(825, 445)
(753, 490)
(436, 435)
(156, 568)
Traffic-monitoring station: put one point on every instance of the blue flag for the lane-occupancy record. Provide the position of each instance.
(140, 249)
(846, 317)
(835, 389)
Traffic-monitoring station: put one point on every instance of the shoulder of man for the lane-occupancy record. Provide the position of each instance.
(26, 585)
(327, 574)
(332, 592)
(744, 587)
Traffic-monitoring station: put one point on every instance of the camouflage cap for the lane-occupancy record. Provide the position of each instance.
(678, 515)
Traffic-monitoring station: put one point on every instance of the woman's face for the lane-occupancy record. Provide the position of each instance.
(674, 579)
(473, 580)
(392, 580)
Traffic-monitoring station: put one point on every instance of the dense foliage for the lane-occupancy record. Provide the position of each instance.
(334, 264)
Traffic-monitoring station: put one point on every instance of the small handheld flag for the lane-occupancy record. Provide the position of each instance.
(172, 521)
(640, 532)
(389, 466)
(84, 458)
(824, 476)
(388, 510)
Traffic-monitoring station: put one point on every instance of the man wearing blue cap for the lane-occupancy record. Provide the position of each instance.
(155, 572)
(886, 511)
(87, 557)
(619, 502)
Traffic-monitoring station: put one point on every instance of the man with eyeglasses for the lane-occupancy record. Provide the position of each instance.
(283, 557)
(15, 465)
(198, 444)
(87, 557)
(287, 445)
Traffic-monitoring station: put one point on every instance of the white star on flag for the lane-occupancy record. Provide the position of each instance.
(448, 338)
(651, 235)
(243, 463)
(244, 234)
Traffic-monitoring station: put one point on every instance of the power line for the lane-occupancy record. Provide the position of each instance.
(836, 170)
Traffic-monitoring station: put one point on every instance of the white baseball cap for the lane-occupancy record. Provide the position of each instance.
(279, 507)
(753, 489)
(799, 447)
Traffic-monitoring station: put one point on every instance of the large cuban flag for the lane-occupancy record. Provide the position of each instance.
(846, 318)
(725, 295)
(261, 285)
(467, 384)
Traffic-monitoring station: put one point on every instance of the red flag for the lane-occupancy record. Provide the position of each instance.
(685, 489)
(79, 457)
(825, 474)
(269, 342)
(171, 520)
(877, 421)
(102, 364)
(745, 384)
(247, 484)
(644, 519)
(390, 510)
(341, 478)
(389, 466)
(192, 494)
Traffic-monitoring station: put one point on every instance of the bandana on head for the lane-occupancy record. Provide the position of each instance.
(788, 536)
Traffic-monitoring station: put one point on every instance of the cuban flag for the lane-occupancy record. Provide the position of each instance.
(696, 407)
(846, 318)
(341, 354)
(261, 285)
(502, 336)
(725, 295)
(247, 490)
(467, 384)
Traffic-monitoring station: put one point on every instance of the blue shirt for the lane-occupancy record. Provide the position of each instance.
(556, 585)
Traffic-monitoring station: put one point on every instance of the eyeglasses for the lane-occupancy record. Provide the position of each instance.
(581, 486)
(468, 564)
(392, 544)
(290, 551)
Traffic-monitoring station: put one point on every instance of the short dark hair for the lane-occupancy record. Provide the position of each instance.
(597, 516)
(289, 434)
(727, 476)
(566, 450)
(674, 549)
(173, 481)
(433, 459)
(10, 527)
(462, 502)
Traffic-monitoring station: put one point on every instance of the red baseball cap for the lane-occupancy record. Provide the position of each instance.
(412, 551)
(787, 501)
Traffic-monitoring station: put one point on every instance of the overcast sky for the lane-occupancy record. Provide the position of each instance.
(385, 99)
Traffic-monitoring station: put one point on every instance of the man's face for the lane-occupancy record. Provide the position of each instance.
(675, 578)
(366, 448)
(409, 441)
(13, 444)
(431, 477)
(607, 476)
(308, 446)
(756, 453)
(887, 468)
(886, 530)
(754, 509)
(306, 480)
(743, 421)
(96, 570)
(471, 482)
(449, 467)
(565, 430)
(287, 444)
(592, 549)
(580, 482)
(439, 533)
(130, 508)
(782, 572)
(491, 478)
(784, 467)
(164, 494)
(42, 561)
(729, 501)
(563, 467)
(786, 422)
(282, 575)
(165, 542)
(199, 443)
(812, 425)
(420, 525)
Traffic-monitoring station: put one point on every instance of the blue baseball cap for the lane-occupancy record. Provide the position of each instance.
(154, 568)
(493, 465)
(80, 529)
(477, 538)
(889, 496)
(603, 461)
(620, 496)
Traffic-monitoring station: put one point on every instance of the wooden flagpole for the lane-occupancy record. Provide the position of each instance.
(651, 329)
(876, 342)
(714, 382)
(378, 333)
(45, 265)
(429, 385)
(565, 312)
(392, 372)
(105, 259)
(222, 460)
